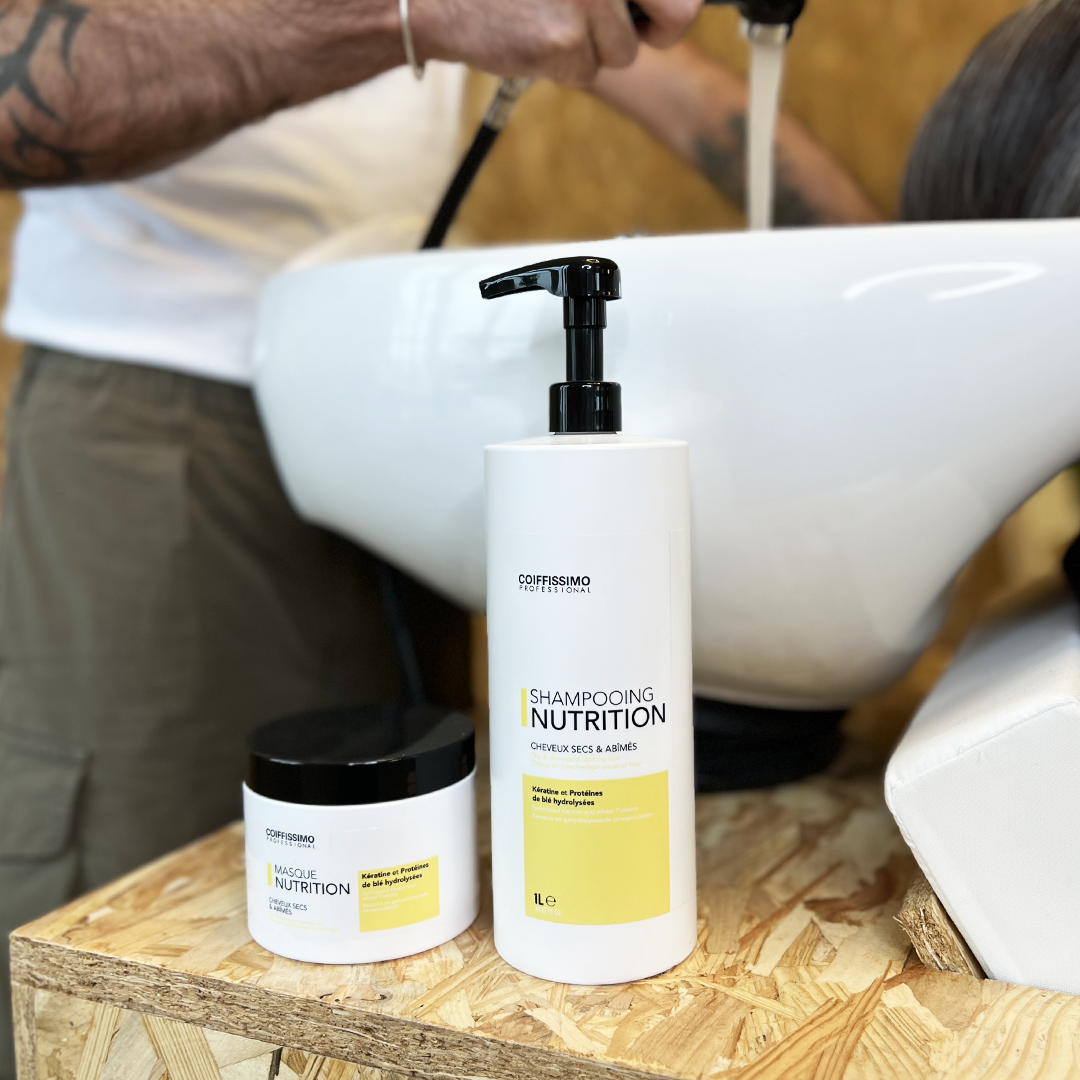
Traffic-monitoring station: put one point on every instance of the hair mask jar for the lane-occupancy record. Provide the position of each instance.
(360, 828)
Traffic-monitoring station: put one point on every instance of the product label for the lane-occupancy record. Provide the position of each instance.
(596, 850)
(399, 895)
(591, 711)
(297, 894)
(325, 895)
(585, 700)
(303, 880)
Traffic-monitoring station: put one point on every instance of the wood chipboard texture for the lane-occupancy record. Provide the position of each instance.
(935, 937)
(800, 970)
(81, 1040)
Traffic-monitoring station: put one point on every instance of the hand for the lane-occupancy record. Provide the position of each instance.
(667, 21)
(564, 40)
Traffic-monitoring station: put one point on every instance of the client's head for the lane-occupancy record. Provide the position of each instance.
(1003, 140)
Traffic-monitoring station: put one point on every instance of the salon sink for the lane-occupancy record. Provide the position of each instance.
(864, 406)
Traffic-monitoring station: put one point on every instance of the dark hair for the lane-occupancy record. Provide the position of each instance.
(1003, 140)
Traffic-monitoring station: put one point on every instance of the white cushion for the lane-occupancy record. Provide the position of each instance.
(985, 786)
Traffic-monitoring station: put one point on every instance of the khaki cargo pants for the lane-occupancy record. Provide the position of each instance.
(158, 598)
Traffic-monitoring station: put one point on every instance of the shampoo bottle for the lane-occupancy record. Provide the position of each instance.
(590, 671)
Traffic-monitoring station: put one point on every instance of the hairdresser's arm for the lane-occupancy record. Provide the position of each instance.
(697, 107)
(99, 89)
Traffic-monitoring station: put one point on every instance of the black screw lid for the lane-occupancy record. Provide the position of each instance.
(360, 754)
(584, 407)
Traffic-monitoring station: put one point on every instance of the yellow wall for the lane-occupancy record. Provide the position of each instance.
(861, 74)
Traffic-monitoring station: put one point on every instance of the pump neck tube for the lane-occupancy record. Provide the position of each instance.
(585, 320)
(584, 355)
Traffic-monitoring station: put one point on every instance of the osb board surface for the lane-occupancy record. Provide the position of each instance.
(800, 969)
(74, 1039)
(937, 942)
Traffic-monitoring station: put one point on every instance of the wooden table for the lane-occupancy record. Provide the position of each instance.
(800, 972)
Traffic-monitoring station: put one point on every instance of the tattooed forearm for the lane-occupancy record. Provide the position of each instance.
(724, 165)
(15, 66)
(697, 107)
(99, 90)
(33, 154)
(34, 160)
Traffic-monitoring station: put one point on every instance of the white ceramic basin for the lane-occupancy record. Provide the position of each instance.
(863, 406)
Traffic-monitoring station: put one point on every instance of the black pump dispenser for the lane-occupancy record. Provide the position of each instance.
(584, 403)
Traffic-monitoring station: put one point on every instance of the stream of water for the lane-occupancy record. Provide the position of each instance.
(767, 45)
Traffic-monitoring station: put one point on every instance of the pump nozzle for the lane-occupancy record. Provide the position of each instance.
(584, 403)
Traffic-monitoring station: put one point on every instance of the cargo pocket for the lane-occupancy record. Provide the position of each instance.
(39, 788)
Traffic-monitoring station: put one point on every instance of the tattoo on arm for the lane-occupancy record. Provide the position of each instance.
(724, 165)
(31, 157)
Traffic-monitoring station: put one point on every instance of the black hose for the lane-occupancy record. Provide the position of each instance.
(400, 637)
(494, 121)
(455, 194)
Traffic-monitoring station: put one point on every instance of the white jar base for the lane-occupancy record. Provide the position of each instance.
(385, 944)
(598, 955)
(317, 874)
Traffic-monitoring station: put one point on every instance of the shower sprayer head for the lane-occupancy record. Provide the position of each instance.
(767, 12)
(762, 12)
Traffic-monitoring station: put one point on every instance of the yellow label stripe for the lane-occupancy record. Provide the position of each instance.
(269, 873)
(524, 707)
(396, 896)
(597, 850)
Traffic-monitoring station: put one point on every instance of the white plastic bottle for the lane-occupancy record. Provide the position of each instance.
(590, 673)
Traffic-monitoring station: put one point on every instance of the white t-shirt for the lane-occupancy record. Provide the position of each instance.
(166, 269)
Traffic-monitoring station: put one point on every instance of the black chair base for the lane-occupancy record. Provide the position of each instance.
(742, 746)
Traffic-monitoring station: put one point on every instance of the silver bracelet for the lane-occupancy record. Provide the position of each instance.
(407, 41)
